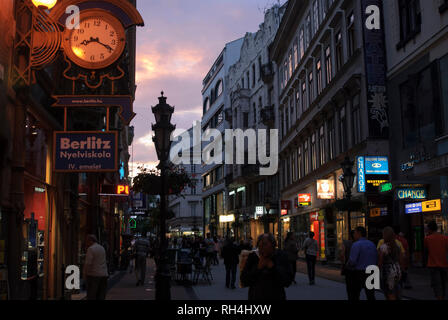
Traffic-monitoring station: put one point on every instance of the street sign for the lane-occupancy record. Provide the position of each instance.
(85, 151)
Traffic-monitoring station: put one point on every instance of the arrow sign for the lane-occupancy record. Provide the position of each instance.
(123, 102)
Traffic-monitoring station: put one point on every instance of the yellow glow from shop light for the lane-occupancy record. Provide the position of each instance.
(78, 51)
(46, 3)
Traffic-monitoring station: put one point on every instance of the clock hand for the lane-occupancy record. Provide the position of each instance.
(86, 42)
(106, 46)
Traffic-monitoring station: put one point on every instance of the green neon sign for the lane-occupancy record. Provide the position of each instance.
(132, 224)
(386, 187)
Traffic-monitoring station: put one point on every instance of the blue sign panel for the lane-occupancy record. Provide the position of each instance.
(85, 151)
(361, 174)
(416, 193)
(413, 208)
(377, 165)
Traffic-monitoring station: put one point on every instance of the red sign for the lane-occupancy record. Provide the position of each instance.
(314, 216)
(122, 189)
(286, 205)
(284, 212)
(305, 199)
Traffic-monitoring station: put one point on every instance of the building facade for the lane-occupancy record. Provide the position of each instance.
(417, 56)
(326, 113)
(187, 207)
(252, 105)
(215, 100)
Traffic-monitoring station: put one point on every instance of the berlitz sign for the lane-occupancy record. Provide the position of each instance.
(85, 152)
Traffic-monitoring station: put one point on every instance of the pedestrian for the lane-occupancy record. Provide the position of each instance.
(344, 255)
(131, 260)
(141, 251)
(405, 280)
(209, 246)
(390, 257)
(436, 246)
(95, 269)
(292, 249)
(362, 255)
(310, 249)
(216, 250)
(230, 253)
(267, 271)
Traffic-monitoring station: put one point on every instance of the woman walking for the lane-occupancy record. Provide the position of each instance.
(291, 249)
(390, 257)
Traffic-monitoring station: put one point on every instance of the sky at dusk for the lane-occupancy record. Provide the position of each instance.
(175, 50)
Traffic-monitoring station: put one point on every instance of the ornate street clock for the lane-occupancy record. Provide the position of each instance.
(99, 41)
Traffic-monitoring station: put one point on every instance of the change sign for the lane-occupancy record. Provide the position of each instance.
(85, 151)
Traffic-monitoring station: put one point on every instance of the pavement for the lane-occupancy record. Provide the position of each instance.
(324, 289)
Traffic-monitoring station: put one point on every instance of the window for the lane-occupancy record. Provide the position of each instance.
(319, 76)
(291, 110)
(290, 67)
(356, 121)
(288, 171)
(313, 152)
(339, 52)
(255, 113)
(242, 83)
(351, 34)
(220, 117)
(306, 155)
(331, 139)
(302, 43)
(316, 16)
(296, 56)
(260, 66)
(308, 31)
(281, 75)
(311, 87)
(245, 120)
(253, 75)
(286, 71)
(342, 130)
(248, 80)
(328, 65)
(298, 104)
(410, 20)
(219, 89)
(206, 105)
(322, 145)
(287, 118)
(304, 97)
(418, 109)
(294, 165)
(299, 163)
(444, 85)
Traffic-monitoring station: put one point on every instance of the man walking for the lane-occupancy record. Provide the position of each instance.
(310, 248)
(95, 269)
(436, 245)
(141, 249)
(230, 253)
(362, 255)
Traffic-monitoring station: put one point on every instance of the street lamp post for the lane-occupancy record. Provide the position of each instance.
(162, 140)
(348, 180)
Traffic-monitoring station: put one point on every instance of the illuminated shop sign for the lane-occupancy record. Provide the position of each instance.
(304, 199)
(376, 183)
(226, 219)
(376, 165)
(361, 175)
(85, 152)
(325, 189)
(426, 206)
(378, 212)
(259, 211)
(284, 212)
(122, 189)
(386, 187)
(417, 193)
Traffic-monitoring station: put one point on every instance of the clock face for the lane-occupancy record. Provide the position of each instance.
(99, 41)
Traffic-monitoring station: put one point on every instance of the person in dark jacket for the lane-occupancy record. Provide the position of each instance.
(292, 249)
(267, 272)
(230, 253)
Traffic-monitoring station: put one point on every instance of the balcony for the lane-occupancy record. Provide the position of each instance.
(268, 115)
(267, 73)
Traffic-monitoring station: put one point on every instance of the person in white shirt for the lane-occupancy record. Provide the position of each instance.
(95, 270)
(310, 248)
